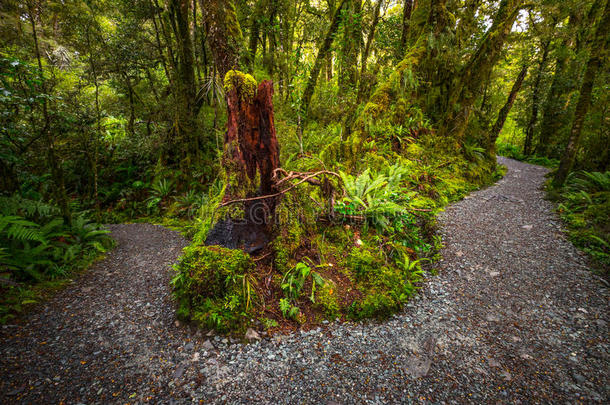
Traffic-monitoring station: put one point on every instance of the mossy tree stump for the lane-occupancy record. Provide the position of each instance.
(251, 154)
(251, 149)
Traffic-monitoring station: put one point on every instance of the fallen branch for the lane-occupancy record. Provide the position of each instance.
(291, 175)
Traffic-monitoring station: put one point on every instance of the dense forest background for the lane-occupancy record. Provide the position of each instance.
(384, 112)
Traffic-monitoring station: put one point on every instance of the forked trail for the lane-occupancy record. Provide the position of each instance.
(513, 316)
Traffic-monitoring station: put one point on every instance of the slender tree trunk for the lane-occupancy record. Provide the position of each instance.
(351, 41)
(254, 34)
(56, 170)
(464, 94)
(553, 114)
(598, 54)
(407, 9)
(186, 92)
(323, 50)
(98, 126)
(497, 127)
(531, 125)
(367, 50)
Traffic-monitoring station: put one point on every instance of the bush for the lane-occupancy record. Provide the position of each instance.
(585, 207)
(213, 287)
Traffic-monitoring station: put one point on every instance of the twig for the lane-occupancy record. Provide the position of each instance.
(262, 257)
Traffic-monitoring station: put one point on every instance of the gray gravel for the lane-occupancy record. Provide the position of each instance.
(513, 316)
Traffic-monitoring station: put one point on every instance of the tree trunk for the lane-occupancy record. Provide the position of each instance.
(465, 92)
(254, 34)
(56, 170)
(225, 34)
(323, 50)
(598, 54)
(497, 127)
(186, 126)
(351, 41)
(98, 126)
(407, 9)
(553, 114)
(367, 50)
(531, 125)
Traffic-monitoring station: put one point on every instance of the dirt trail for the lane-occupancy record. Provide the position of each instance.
(513, 316)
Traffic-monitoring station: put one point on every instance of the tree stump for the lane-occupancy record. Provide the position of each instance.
(251, 154)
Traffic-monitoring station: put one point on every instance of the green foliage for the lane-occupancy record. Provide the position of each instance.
(373, 195)
(292, 285)
(38, 246)
(513, 152)
(584, 204)
(191, 202)
(327, 301)
(38, 249)
(214, 287)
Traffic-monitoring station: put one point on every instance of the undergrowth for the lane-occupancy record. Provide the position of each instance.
(357, 255)
(584, 205)
(514, 152)
(39, 252)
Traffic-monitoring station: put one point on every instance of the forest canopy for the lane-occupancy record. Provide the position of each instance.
(304, 146)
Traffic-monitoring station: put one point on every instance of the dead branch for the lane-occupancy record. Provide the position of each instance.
(290, 175)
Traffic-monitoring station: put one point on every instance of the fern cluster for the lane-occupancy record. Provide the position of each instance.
(585, 206)
(36, 245)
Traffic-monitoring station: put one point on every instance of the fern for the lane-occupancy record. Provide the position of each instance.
(591, 182)
(17, 205)
(17, 228)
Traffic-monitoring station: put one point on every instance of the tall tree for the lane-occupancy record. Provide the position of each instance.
(323, 50)
(497, 127)
(57, 172)
(531, 125)
(466, 89)
(598, 57)
(407, 10)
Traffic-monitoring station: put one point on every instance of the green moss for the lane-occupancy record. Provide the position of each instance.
(243, 83)
(374, 305)
(326, 299)
(364, 262)
(213, 287)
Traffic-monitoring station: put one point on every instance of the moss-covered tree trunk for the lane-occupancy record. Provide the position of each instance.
(497, 127)
(251, 151)
(407, 9)
(597, 57)
(224, 36)
(323, 51)
(465, 90)
(350, 47)
(57, 173)
(555, 102)
(531, 125)
(364, 83)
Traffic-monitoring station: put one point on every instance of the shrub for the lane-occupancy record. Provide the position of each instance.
(213, 286)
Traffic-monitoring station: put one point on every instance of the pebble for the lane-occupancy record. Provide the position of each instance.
(469, 336)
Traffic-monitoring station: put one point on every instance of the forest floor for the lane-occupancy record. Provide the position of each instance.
(512, 316)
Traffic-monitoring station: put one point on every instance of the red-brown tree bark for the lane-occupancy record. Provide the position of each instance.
(250, 137)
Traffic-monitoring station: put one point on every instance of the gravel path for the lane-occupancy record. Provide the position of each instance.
(513, 316)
